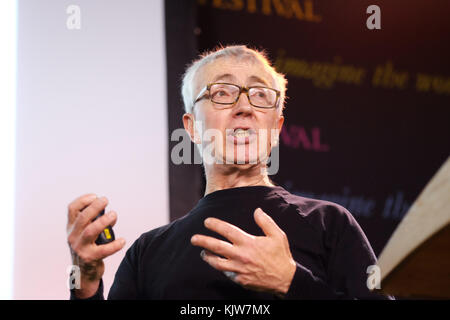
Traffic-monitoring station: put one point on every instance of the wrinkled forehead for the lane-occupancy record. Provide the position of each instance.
(243, 72)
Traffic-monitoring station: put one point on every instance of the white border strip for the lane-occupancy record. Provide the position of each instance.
(8, 80)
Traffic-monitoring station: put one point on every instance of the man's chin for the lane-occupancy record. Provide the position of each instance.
(241, 161)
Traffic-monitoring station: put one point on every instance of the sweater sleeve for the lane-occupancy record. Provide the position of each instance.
(125, 285)
(349, 257)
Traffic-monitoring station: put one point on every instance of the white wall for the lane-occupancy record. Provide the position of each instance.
(91, 117)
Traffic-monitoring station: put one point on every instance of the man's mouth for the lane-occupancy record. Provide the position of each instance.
(241, 135)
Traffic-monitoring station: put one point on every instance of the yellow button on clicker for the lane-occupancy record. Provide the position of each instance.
(107, 234)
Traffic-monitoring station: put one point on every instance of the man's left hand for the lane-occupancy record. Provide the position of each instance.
(262, 263)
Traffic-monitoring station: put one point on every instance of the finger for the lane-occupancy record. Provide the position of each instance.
(105, 250)
(219, 263)
(113, 223)
(87, 215)
(217, 246)
(79, 204)
(266, 223)
(229, 231)
(91, 232)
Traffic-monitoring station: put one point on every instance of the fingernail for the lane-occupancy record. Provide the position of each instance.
(112, 214)
(193, 239)
(202, 254)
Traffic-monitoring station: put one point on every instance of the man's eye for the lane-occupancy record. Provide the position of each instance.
(221, 93)
(259, 94)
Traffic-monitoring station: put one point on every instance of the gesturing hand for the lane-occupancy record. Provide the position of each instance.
(262, 263)
(81, 235)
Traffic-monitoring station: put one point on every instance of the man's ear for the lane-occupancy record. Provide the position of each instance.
(280, 122)
(188, 123)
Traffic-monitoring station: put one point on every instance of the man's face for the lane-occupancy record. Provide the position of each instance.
(244, 131)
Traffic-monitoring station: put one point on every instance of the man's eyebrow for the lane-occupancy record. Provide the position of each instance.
(258, 79)
(229, 76)
(224, 76)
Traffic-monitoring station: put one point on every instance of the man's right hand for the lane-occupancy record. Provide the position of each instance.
(81, 235)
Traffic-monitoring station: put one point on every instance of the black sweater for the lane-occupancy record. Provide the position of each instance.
(330, 249)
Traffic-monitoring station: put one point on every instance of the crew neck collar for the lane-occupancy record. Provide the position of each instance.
(239, 191)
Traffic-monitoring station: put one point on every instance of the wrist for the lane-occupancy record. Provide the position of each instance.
(87, 289)
(290, 272)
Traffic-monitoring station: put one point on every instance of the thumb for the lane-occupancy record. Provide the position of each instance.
(266, 223)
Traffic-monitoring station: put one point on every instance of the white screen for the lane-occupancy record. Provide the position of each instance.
(8, 40)
(91, 117)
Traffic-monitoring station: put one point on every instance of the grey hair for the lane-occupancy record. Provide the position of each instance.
(235, 51)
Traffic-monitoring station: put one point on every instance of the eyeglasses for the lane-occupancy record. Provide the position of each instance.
(227, 94)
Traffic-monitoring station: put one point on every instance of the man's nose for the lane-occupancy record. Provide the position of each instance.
(243, 107)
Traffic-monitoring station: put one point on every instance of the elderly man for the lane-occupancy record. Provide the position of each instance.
(246, 238)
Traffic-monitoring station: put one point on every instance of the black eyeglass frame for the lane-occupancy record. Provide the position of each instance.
(242, 89)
